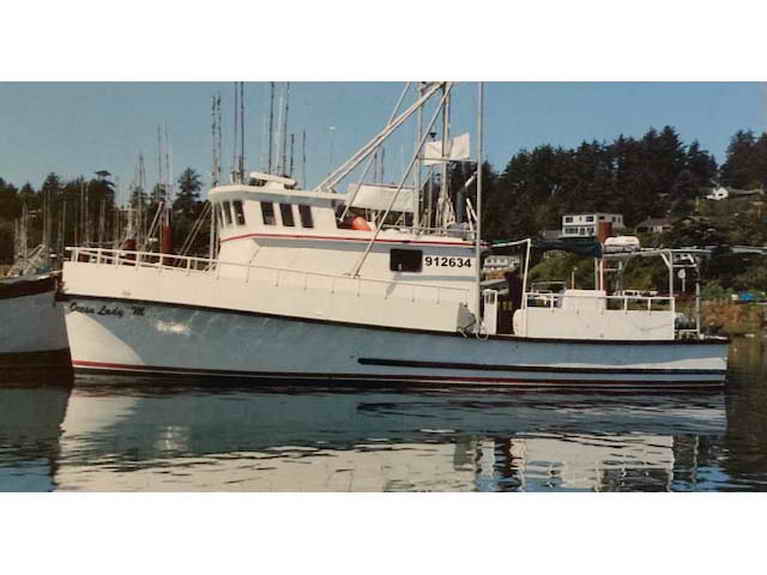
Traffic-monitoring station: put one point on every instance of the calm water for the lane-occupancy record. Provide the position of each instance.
(148, 437)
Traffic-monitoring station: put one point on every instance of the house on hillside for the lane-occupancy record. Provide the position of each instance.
(723, 193)
(585, 225)
(654, 226)
(496, 262)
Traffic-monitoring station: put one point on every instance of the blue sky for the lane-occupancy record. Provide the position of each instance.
(78, 128)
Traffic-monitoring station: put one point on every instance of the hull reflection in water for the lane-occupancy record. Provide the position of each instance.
(309, 439)
(30, 428)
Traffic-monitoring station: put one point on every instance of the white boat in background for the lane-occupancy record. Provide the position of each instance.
(32, 330)
(377, 284)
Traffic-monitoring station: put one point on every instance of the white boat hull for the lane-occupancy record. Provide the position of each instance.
(120, 335)
(32, 330)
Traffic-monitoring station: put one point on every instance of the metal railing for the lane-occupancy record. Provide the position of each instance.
(611, 303)
(279, 276)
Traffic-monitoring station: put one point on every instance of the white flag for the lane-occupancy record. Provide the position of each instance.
(458, 148)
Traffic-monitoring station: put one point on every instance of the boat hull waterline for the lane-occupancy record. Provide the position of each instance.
(129, 336)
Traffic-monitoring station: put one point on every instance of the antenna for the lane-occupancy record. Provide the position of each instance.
(219, 136)
(159, 163)
(168, 172)
(271, 127)
(214, 162)
(141, 225)
(284, 130)
(292, 140)
(242, 131)
(236, 125)
(303, 160)
(280, 167)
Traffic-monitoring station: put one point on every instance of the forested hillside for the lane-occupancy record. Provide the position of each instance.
(657, 175)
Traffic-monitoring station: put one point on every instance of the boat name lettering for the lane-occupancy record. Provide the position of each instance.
(74, 306)
(447, 262)
(106, 309)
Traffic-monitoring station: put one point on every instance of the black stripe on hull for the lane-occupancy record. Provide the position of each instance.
(535, 368)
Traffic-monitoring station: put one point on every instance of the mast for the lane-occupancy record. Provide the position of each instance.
(478, 233)
(159, 162)
(216, 172)
(443, 191)
(236, 126)
(242, 132)
(140, 223)
(292, 141)
(303, 160)
(284, 130)
(418, 166)
(271, 128)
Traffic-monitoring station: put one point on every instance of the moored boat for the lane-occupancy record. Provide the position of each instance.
(32, 330)
(377, 284)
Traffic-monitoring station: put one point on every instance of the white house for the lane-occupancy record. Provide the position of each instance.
(720, 193)
(500, 262)
(585, 225)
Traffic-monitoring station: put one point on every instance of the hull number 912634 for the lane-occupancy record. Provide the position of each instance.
(447, 262)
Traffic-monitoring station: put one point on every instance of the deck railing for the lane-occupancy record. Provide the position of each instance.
(611, 302)
(278, 276)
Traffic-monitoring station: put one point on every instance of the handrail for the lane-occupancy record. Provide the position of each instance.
(551, 298)
(117, 257)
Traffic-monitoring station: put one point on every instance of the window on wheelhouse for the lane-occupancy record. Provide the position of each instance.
(239, 213)
(406, 260)
(306, 216)
(286, 211)
(227, 213)
(267, 211)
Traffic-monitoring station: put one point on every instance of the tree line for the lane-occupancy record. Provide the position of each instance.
(655, 175)
(83, 211)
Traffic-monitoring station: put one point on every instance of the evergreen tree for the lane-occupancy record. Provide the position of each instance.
(740, 168)
(189, 185)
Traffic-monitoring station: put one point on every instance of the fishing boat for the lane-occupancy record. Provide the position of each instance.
(373, 283)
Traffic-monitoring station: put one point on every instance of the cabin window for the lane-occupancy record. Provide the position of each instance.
(239, 213)
(589, 218)
(306, 216)
(406, 260)
(267, 211)
(286, 211)
(227, 214)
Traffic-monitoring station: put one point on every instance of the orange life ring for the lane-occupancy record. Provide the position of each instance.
(360, 223)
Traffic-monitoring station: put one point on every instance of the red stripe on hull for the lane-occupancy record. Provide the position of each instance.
(346, 239)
